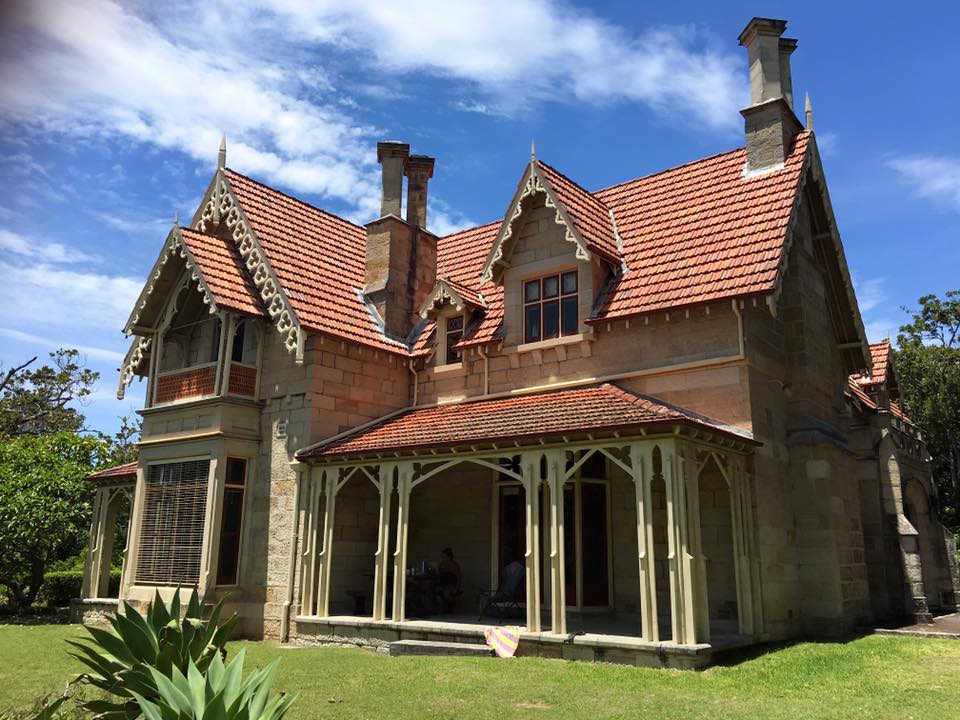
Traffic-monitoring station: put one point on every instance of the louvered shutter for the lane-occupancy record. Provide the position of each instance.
(171, 529)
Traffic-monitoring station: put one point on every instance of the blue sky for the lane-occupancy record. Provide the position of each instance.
(110, 119)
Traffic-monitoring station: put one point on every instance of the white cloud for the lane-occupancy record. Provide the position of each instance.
(881, 329)
(33, 249)
(931, 176)
(870, 293)
(178, 78)
(523, 49)
(94, 352)
(43, 294)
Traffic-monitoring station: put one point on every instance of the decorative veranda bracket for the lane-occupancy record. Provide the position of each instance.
(132, 362)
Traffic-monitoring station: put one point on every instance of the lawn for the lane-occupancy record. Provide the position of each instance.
(872, 677)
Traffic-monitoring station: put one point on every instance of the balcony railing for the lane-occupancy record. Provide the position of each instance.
(243, 379)
(195, 382)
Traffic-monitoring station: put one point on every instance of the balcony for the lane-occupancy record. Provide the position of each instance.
(189, 384)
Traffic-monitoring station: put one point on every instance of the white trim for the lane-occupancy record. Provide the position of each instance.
(452, 369)
(544, 344)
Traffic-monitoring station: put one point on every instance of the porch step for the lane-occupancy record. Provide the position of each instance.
(432, 647)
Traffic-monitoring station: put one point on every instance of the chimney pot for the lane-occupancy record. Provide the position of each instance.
(392, 155)
(419, 170)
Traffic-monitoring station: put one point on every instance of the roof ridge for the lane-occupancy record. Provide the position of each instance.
(297, 200)
(669, 169)
(470, 229)
(573, 182)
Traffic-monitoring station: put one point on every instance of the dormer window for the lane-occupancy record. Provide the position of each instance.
(453, 327)
(550, 307)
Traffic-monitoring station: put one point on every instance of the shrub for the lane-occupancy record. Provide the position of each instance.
(125, 663)
(218, 693)
(61, 586)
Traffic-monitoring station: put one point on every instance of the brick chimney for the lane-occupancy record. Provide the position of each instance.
(393, 156)
(770, 124)
(419, 170)
(401, 256)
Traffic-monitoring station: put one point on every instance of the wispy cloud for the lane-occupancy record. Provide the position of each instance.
(931, 176)
(29, 338)
(827, 143)
(49, 295)
(37, 250)
(871, 293)
(176, 80)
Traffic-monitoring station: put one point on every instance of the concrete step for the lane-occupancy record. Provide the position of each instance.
(432, 647)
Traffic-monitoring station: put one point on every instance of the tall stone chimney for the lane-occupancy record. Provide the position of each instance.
(770, 124)
(393, 156)
(401, 256)
(419, 170)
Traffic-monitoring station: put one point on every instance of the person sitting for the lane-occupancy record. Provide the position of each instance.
(449, 579)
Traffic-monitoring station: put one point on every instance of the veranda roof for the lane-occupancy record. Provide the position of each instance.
(114, 474)
(597, 408)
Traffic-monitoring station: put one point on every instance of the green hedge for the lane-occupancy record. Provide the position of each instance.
(62, 586)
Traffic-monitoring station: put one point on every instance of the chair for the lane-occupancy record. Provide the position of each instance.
(504, 598)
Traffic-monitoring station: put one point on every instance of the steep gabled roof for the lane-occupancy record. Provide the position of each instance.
(702, 232)
(318, 259)
(599, 407)
(224, 272)
(587, 212)
(698, 233)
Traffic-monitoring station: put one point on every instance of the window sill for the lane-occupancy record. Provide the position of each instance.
(544, 344)
(452, 369)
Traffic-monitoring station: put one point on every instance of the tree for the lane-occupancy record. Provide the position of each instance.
(121, 447)
(44, 506)
(928, 368)
(35, 402)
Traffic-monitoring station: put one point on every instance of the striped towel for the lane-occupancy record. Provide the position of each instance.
(503, 640)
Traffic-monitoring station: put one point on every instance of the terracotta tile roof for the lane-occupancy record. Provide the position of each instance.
(701, 232)
(857, 392)
(880, 359)
(599, 407)
(224, 272)
(115, 473)
(697, 233)
(897, 410)
(318, 259)
(588, 214)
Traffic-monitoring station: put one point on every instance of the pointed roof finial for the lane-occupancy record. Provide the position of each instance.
(176, 217)
(808, 111)
(533, 152)
(222, 157)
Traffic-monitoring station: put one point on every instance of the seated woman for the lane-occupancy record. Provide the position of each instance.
(449, 579)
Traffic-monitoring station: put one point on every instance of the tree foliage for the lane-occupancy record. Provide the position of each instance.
(928, 368)
(44, 506)
(36, 401)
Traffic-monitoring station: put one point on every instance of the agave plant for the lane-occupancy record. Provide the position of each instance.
(220, 693)
(126, 662)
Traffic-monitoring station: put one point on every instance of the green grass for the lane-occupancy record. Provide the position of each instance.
(872, 677)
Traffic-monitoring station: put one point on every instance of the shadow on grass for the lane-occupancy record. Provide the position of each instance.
(737, 656)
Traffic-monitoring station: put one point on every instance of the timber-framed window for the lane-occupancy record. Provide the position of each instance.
(231, 521)
(172, 523)
(453, 333)
(550, 307)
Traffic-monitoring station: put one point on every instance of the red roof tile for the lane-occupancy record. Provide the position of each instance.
(588, 214)
(224, 272)
(599, 407)
(114, 473)
(880, 359)
(697, 233)
(318, 259)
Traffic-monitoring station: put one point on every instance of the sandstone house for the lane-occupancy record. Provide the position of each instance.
(656, 399)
